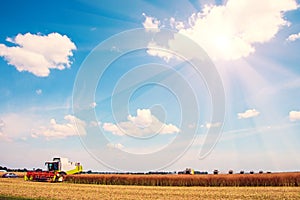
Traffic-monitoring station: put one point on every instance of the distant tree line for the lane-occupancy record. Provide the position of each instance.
(187, 171)
(12, 170)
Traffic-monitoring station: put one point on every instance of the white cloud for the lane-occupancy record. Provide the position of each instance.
(39, 91)
(72, 127)
(151, 23)
(248, 114)
(38, 54)
(229, 32)
(114, 129)
(293, 37)
(115, 146)
(143, 118)
(156, 50)
(144, 124)
(176, 24)
(95, 124)
(294, 115)
(93, 105)
(213, 125)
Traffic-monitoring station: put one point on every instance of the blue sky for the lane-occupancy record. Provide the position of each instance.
(151, 109)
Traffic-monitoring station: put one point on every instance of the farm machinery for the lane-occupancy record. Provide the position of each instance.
(57, 169)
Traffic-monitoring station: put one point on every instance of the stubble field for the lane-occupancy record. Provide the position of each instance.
(39, 190)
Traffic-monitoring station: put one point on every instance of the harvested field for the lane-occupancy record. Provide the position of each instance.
(38, 190)
(221, 180)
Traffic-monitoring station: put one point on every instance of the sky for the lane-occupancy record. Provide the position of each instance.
(151, 85)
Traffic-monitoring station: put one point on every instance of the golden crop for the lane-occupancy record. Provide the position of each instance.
(276, 179)
(44, 190)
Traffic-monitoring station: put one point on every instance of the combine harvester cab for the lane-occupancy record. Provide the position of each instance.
(56, 171)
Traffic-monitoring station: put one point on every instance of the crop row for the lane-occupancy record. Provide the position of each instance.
(277, 179)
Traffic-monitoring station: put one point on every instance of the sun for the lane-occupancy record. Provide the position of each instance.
(222, 42)
(223, 45)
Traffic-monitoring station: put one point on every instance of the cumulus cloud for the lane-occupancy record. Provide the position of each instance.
(37, 54)
(294, 115)
(293, 37)
(143, 118)
(213, 125)
(156, 50)
(230, 31)
(144, 124)
(176, 24)
(94, 124)
(55, 130)
(113, 128)
(151, 23)
(115, 146)
(248, 114)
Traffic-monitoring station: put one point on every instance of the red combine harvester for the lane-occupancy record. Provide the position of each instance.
(56, 171)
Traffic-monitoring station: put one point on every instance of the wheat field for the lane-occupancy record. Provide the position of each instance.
(40, 190)
(239, 180)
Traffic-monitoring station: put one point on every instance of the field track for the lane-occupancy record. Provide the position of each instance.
(37, 190)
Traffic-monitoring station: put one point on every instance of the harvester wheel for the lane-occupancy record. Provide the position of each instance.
(61, 177)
